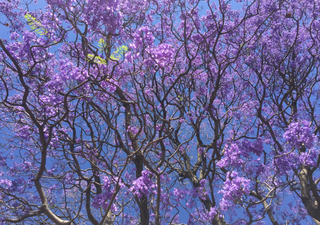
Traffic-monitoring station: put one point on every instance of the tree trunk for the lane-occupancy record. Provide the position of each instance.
(143, 203)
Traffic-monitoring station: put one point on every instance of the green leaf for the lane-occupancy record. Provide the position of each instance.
(116, 55)
(119, 52)
(35, 25)
(102, 44)
(97, 59)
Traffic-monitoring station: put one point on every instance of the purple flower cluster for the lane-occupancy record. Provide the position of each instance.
(233, 189)
(102, 13)
(163, 54)
(142, 37)
(299, 134)
(5, 183)
(24, 132)
(231, 156)
(101, 200)
(310, 157)
(237, 154)
(143, 185)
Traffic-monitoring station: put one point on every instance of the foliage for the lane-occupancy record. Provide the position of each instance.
(115, 56)
(160, 112)
(35, 24)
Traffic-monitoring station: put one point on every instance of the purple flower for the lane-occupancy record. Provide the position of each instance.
(299, 134)
(309, 158)
(101, 200)
(233, 189)
(143, 185)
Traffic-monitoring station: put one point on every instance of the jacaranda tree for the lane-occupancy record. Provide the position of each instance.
(160, 112)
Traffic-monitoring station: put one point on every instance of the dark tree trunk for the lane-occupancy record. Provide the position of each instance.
(143, 202)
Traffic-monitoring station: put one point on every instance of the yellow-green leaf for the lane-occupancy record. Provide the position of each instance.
(35, 25)
(119, 52)
(97, 59)
(102, 44)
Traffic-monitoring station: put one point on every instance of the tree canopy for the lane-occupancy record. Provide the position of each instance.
(160, 112)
